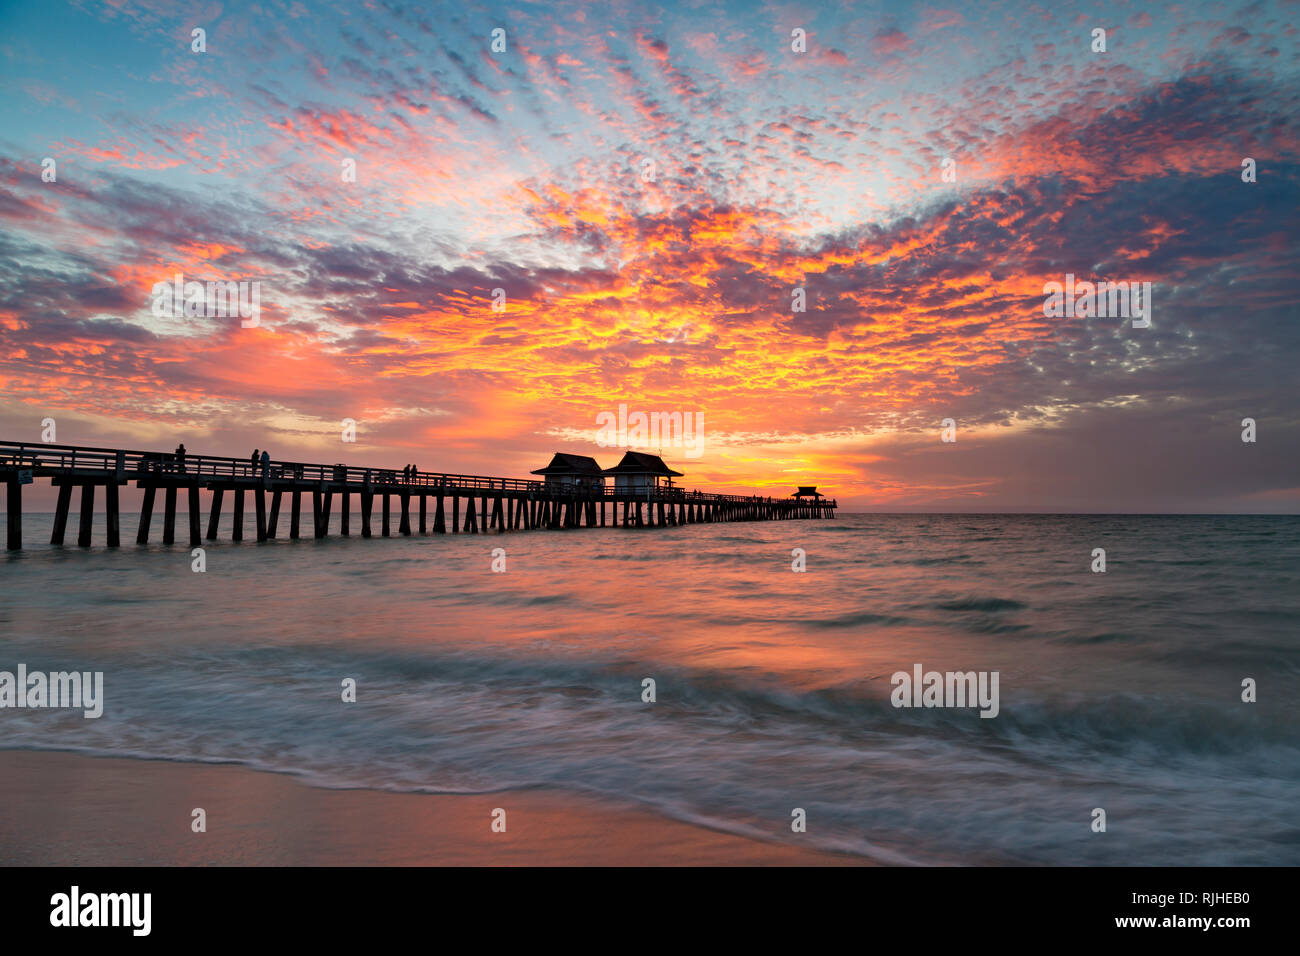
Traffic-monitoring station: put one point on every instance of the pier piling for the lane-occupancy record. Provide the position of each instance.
(87, 515)
(195, 516)
(214, 512)
(14, 502)
(111, 517)
(169, 514)
(61, 513)
(259, 502)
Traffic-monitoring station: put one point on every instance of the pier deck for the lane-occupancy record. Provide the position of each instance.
(468, 503)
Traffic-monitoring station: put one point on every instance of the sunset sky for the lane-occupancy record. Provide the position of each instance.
(669, 287)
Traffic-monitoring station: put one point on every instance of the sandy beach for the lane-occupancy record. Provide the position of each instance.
(64, 809)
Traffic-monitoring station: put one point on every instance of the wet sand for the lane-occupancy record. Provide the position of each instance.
(64, 809)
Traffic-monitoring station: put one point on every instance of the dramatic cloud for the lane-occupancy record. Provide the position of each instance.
(648, 193)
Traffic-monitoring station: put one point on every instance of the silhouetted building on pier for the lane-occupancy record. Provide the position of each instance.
(638, 473)
(577, 472)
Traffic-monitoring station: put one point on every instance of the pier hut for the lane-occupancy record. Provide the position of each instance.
(807, 501)
(572, 473)
(639, 473)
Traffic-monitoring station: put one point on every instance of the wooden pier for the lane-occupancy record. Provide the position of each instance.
(461, 504)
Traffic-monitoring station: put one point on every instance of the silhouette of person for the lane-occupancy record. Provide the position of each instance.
(180, 457)
(253, 461)
(266, 463)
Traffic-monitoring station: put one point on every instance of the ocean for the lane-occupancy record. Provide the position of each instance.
(1119, 690)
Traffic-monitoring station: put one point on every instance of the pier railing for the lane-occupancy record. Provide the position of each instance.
(133, 464)
(50, 460)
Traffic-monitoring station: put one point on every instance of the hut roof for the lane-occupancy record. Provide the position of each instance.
(563, 464)
(639, 463)
(807, 491)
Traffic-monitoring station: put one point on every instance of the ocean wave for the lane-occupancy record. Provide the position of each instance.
(773, 689)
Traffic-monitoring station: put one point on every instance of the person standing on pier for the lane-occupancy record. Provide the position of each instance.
(266, 464)
(252, 459)
(180, 457)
